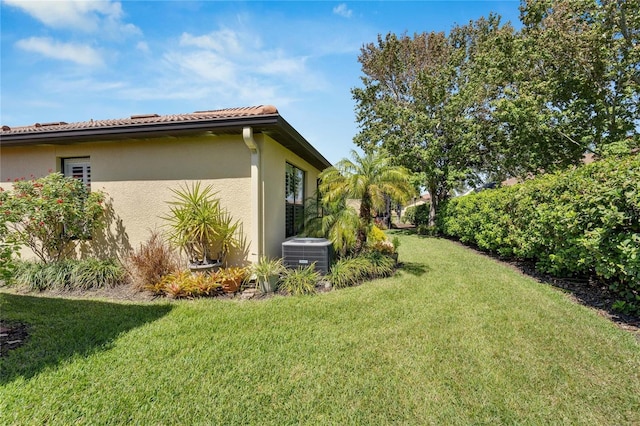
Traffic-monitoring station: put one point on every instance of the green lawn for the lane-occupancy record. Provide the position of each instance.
(453, 338)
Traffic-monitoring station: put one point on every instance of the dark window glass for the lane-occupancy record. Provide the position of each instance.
(294, 200)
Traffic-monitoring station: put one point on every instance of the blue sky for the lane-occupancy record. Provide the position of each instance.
(75, 61)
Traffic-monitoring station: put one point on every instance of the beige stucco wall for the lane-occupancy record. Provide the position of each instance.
(138, 175)
(274, 160)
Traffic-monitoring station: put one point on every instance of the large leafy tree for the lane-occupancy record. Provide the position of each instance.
(485, 101)
(369, 178)
(580, 60)
(427, 99)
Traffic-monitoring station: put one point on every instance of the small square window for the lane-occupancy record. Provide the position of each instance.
(79, 168)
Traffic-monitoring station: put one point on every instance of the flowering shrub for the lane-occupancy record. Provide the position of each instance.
(50, 215)
(7, 247)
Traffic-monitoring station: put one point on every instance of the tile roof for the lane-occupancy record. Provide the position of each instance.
(144, 119)
(262, 119)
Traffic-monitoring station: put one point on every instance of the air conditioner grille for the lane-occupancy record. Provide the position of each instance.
(301, 252)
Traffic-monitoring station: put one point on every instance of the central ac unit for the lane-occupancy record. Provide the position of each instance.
(302, 252)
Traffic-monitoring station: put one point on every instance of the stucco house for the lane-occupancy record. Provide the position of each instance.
(260, 166)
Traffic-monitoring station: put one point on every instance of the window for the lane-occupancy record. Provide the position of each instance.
(79, 168)
(294, 200)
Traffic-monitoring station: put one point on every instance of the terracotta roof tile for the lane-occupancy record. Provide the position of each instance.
(143, 119)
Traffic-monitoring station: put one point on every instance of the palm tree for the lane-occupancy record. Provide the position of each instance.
(335, 221)
(367, 178)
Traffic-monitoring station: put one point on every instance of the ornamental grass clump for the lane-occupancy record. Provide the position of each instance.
(93, 273)
(352, 271)
(84, 274)
(300, 281)
(348, 271)
(379, 265)
(151, 262)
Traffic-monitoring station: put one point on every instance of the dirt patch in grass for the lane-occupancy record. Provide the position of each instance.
(12, 336)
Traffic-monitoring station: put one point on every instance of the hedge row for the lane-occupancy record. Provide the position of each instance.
(584, 222)
(417, 215)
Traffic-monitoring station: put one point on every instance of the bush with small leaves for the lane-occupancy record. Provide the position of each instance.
(417, 215)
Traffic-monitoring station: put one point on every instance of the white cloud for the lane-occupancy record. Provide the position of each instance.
(283, 66)
(142, 46)
(233, 57)
(343, 10)
(230, 67)
(81, 54)
(87, 16)
(207, 65)
(225, 40)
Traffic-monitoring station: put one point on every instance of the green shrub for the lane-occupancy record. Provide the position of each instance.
(417, 215)
(70, 274)
(8, 247)
(300, 281)
(585, 221)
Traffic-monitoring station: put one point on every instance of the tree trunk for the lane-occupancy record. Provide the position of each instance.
(365, 219)
(433, 212)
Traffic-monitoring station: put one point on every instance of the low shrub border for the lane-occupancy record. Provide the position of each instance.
(70, 274)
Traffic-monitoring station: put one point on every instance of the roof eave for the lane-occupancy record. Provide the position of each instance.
(273, 124)
(131, 131)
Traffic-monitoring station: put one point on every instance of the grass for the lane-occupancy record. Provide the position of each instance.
(453, 338)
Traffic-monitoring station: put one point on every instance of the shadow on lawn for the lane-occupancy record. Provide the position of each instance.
(414, 268)
(60, 329)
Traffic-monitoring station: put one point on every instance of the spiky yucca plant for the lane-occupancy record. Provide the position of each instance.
(200, 227)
